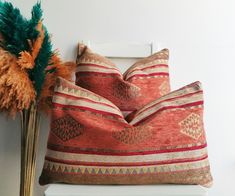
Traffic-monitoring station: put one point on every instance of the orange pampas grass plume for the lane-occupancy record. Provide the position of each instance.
(16, 89)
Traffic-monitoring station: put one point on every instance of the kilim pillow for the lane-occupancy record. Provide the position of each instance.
(142, 83)
(90, 142)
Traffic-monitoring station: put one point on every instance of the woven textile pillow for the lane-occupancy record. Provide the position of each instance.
(143, 82)
(90, 142)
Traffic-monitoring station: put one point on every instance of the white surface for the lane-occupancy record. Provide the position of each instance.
(201, 37)
(122, 50)
(144, 190)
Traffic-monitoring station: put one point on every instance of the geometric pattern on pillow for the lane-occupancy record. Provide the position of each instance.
(66, 128)
(133, 135)
(192, 126)
(143, 82)
(163, 142)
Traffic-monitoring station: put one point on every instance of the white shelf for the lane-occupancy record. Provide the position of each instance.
(123, 50)
(125, 190)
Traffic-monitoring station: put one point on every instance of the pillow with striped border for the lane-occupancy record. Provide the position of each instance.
(143, 82)
(90, 142)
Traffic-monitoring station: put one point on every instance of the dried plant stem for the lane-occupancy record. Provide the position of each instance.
(30, 121)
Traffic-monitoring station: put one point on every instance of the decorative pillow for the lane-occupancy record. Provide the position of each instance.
(91, 143)
(143, 82)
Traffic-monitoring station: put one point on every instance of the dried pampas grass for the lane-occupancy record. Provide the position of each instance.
(16, 89)
(27, 59)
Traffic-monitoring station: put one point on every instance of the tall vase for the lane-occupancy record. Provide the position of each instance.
(30, 122)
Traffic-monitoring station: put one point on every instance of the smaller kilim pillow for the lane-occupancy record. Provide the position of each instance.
(90, 142)
(143, 82)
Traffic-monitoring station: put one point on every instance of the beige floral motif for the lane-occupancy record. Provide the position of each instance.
(192, 126)
(164, 88)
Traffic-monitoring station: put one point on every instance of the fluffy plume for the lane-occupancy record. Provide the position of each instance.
(17, 30)
(38, 73)
(16, 89)
(28, 67)
(26, 39)
(27, 59)
(12, 26)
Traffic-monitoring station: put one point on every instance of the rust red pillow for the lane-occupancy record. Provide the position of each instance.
(90, 142)
(142, 83)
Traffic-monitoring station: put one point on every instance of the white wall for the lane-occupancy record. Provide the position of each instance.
(201, 37)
